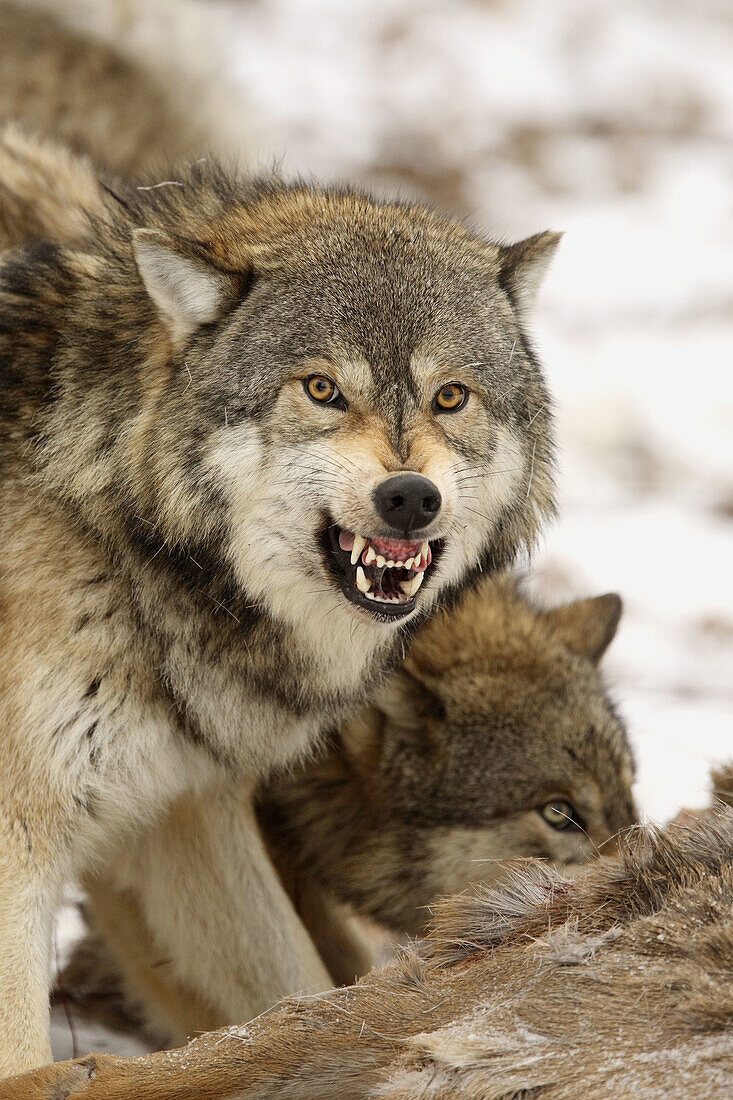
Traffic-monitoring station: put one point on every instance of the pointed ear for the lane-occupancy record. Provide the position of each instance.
(186, 286)
(408, 700)
(524, 265)
(403, 702)
(587, 626)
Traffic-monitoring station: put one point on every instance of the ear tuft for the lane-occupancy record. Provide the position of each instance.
(587, 627)
(400, 704)
(524, 265)
(409, 699)
(186, 290)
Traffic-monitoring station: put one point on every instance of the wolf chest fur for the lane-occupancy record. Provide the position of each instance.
(252, 434)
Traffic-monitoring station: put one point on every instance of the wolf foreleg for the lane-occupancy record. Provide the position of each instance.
(26, 915)
(224, 941)
(342, 942)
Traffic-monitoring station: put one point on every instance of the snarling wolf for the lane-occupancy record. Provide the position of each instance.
(494, 740)
(616, 984)
(252, 434)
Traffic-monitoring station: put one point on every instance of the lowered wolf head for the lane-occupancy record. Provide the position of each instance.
(375, 409)
(495, 740)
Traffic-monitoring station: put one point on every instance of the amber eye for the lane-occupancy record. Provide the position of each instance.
(451, 398)
(321, 389)
(560, 814)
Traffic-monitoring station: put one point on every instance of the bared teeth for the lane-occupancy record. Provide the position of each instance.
(411, 587)
(383, 599)
(362, 583)
(362, 549)
(424, 558)
(359, 544)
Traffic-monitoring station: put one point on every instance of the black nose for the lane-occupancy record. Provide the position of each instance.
(407, 502)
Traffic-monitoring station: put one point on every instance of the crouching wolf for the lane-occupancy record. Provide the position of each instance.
(251, 435)
(494, 740)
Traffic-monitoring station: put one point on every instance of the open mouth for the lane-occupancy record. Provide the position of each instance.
(383, 575)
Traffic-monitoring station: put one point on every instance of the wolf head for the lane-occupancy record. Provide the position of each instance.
(495, 741)
(373, 408)
(335, 395)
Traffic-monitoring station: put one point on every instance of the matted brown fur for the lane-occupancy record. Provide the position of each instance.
(617, 984)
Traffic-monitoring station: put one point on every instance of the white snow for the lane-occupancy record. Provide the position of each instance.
(613, 120)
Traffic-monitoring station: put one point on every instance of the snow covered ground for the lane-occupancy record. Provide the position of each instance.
(612, 120)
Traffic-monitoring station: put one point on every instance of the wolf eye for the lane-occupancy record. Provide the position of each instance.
(450, 398)
(560, 814)
(322, 390)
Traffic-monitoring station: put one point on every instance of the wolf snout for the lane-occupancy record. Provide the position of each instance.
(407, 502)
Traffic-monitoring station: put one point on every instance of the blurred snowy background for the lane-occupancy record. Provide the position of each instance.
(612, 120)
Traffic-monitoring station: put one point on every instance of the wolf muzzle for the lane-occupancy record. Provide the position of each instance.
(407, 502)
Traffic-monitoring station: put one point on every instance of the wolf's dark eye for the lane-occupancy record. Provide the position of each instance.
(322, 390)
(560, 814)
(450, 398)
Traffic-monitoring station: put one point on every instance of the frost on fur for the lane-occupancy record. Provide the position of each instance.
(615, 985)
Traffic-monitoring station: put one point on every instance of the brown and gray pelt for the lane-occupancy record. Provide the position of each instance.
(178, 614)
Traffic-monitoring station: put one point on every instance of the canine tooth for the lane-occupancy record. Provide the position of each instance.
(410, 587)
(380, 562)
(359, 544)
(424, 549)
(377, 599)
(361, 581)
(371, 555)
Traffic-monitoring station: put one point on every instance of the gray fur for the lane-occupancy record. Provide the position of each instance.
(173, 618)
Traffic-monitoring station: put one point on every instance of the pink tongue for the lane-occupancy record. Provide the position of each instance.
(396, 549)
(391, 549)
